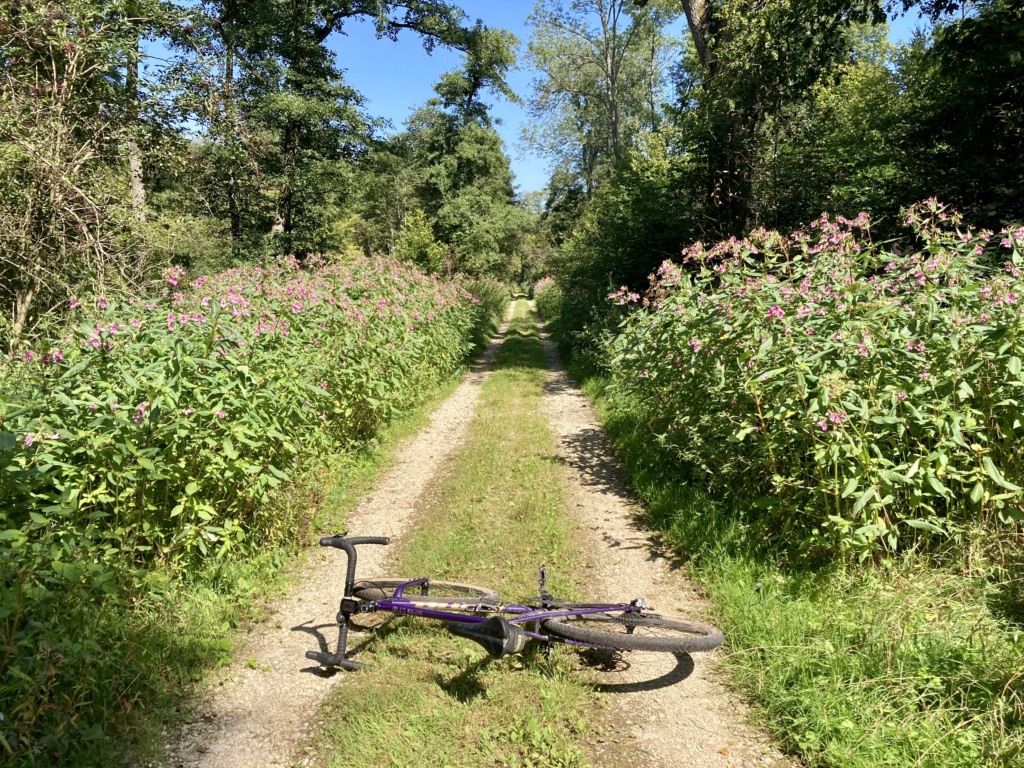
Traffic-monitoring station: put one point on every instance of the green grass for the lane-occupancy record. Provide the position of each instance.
(436, 700)
(853, 666)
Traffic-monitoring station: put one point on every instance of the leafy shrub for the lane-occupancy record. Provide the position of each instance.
(493, 298)
(549, 298)
(156, 432)
(855, 394)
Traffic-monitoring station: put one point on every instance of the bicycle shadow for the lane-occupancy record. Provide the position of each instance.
(465, 686)
(616, 663)
(324, 645)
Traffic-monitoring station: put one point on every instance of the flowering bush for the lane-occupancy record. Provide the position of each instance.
(158, 430)
(548, 296)
(185, 412)
(852, 392)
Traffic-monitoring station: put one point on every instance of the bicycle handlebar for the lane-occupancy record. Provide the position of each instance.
(336, 541)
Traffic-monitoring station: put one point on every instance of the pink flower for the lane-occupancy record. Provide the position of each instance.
(28, 441)
(29, 354)
(102, 304)
(221, 415)
(140, 412)
(776, 312)
(824, 425)
(188, 411)
(862, 350)
(92, 407)
(135, 322)
(114, 406)
(809, 331)
(74, 304)
(696, 344)
(323, 385)
(901, 396)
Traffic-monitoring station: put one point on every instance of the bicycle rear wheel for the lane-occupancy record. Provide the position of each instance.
(632, 632)
(437, 593)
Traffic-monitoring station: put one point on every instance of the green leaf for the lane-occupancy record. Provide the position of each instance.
(850, 487)
(146, 464)
(937, 485)
(977, 492)
(7, 441)
(39, 519)
(1014, 365)
(192, 488)
(924, 525)
(996, 475)
(863, 500)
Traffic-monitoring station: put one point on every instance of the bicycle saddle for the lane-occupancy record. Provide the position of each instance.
(496, 635)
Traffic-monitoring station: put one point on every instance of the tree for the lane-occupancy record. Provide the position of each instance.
(63, 216)
(602, 65)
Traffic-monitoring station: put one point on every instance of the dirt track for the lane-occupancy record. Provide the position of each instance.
(664, 710)
(672, 710)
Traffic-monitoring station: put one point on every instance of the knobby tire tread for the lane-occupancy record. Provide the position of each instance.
(591, 628)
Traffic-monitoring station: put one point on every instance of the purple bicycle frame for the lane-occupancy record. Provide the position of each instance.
(406, 606)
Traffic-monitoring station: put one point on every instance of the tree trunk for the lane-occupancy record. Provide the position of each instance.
(698, 17)
(228, 38)
(23, 297)
(131, 81)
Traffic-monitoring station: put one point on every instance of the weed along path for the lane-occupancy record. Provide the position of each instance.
(265, 701)
(675, 711)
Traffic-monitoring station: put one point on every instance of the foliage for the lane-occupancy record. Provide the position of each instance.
(492, 298)
(915, 665)
(856, 396)
(548, 296)
(62, 207)
(603, 66)
(156, 433)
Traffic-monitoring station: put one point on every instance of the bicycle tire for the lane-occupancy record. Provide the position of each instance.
(438, 592)
(649, 633)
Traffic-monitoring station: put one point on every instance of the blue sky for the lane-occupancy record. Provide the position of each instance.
(397, 77)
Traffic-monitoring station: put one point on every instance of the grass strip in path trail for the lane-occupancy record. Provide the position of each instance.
(436, 700)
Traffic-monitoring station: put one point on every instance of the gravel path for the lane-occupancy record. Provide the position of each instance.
(674, 710)
(265, 702)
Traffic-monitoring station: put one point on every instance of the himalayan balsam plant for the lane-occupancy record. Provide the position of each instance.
(852, 393)
(158, 428)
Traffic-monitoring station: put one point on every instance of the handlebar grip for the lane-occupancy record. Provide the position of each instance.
(334, 541)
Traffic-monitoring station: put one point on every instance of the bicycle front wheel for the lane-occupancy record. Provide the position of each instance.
(631, 632)
(435, 593)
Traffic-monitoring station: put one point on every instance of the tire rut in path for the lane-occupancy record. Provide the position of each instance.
(674, 709)
(265, 706)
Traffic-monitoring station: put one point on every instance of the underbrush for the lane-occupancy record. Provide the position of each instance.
(916, 664)
(493, 297)
(851, 396)
(160, 461)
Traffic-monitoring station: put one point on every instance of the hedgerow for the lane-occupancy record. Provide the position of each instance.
(154, 433)
(852, 394)
(548, 296)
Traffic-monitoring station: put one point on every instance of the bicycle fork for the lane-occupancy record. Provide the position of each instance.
(349, 604)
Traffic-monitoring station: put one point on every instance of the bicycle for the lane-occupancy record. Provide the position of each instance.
(478, 614)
